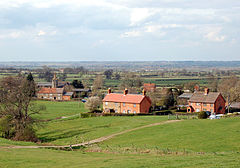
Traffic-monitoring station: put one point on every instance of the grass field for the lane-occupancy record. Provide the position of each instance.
(59, 109)
(19, 158)
(189, 143)
(192, 135)
(218, 149)
(77, 130)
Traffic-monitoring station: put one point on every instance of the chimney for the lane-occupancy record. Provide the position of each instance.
(125, 91)
(144, 92)
(196, 88)
(109, 90)
(206, 91)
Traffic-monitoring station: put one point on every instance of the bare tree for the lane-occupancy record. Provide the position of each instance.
(16, 94)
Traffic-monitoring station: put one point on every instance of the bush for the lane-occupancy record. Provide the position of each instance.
(85, 115)
(202, 115)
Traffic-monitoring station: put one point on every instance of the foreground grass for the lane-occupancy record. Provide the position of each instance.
(58, 109)
(194, 135)
(77, 130)
(19, 158)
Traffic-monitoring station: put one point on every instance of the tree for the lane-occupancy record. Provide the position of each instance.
(16, 94)
(117, 76)
(47, 75)
(63, 76)
(230, 89)
(108, 73)
(93, 103)
(97, 86)
(77, 84)
(131, 81)
(30, 77)
(190, 86)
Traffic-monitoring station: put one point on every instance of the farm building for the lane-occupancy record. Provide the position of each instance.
(53, 92)
(126, 103)
(54, 84)
(206, 101)
(149, 87)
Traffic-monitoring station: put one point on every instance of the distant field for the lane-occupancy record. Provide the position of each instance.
(58, 109)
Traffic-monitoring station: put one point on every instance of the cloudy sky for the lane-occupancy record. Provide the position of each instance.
(119, 30)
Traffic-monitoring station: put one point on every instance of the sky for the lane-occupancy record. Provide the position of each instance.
(119, 30)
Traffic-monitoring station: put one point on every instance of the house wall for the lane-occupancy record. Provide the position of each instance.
(47, 96)
(220, 105)
(220, 102)
(111, 105)
(130, 108)
(66, 98)
(145, 106)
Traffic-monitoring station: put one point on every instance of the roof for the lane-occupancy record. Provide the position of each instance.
(235, 105)
(68, 94)
(186, 95)
(200, 97)
(51, 91)
(128, 98)
(44, 84)
(81, 90)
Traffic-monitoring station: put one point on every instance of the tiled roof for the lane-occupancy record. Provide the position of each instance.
(186, 95)
(235, 105)
(128, 98)
(51, 91)
(200, 97)
(68, 94)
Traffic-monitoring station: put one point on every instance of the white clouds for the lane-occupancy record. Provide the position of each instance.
(133, 33)
(100, 21)
(215, 36)
(139, 14)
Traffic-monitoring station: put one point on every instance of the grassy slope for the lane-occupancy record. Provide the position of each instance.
(59, 109)
(76, 130)
(19, 158)
(195, 135)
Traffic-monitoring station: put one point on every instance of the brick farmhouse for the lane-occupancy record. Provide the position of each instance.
(53, 92)
(126, 103)
(206, 101)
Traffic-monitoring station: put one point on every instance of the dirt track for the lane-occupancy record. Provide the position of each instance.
(101, 139)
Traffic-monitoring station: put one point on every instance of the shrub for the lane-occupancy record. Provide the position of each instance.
(85, 115)
(202, 115)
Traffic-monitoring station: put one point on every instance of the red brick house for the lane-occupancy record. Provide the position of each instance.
(149, 87)
(126, 103)
(54, 94)
(206, 101)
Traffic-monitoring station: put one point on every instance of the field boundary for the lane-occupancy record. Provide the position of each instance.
(98, 140)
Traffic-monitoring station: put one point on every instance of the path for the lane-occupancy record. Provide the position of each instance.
(101, 139)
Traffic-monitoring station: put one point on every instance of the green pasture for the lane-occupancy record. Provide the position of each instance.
(76, 130)
(191, 135)
(59, 109)
(19, 158)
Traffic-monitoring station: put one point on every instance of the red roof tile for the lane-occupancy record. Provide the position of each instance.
(51, 91)
(129, 98)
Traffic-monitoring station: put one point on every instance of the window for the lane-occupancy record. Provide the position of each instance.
(124, 104)
(124, 111)
(106, 103)
(198, 104)
(116, 104)
(211, 110)
(197, 110)
(134, 112)
(129, 111)
(204, 109)
(134, 105)
(211, 105)
(204, 104)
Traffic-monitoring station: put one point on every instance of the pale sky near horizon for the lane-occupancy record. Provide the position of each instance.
(119, 30)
